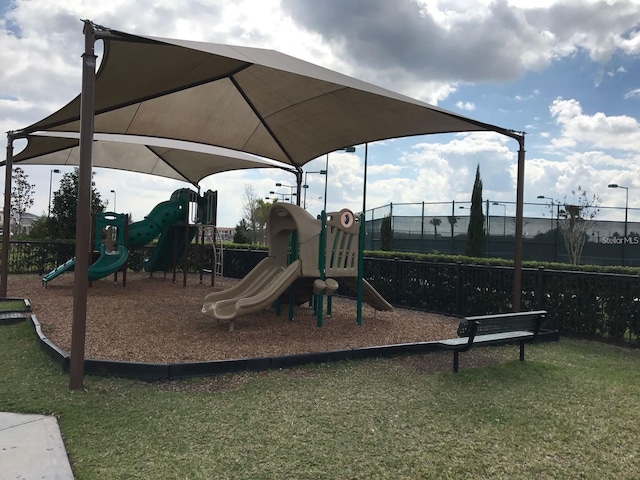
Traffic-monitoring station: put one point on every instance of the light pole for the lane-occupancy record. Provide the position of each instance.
(283, 196)
(553, 202)
(114, 200)
(504, 218)
(290, 187)
(626, 213)
(55, 170)
(306, 185)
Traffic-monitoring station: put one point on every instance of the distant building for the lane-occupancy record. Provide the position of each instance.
(27, 221)
(226, 233)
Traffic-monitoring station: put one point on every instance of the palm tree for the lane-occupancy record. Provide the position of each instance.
(435, 222)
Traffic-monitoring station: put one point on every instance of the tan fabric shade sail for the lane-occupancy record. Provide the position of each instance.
(173, 159)
(246, 99)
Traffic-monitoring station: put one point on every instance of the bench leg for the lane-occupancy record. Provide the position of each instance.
(455, 361)
(522, 351)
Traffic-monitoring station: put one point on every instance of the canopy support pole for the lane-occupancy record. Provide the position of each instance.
(362, 233)
(6, 220)
(517, 259)
(83, 217)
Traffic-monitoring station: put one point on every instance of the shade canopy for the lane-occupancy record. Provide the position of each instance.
(174, 159)
(245, 99)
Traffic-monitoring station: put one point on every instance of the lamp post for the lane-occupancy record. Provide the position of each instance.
(554, 202)
(283, 196)
(626, 214)
(55, 170)
(504, 218)
(326, 173)
(306, 185)
(114, 200)
(290, 187)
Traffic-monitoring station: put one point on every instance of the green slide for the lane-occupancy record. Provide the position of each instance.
(57, 271)
(108, 262)
(160, 221)
(162, 257)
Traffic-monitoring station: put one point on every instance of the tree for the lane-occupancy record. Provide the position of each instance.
(475, 232)
(453, 220)
(435, 222)
(42, 228)
(574, 219)
(386, 234)
(261, 215)
(241, 234)
(255, 211)
(65, 204)
(22, 193)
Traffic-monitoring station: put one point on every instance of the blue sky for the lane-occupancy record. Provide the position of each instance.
(566, 72)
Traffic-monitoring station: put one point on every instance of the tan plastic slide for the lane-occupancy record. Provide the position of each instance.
(257, 290)
(370, 295)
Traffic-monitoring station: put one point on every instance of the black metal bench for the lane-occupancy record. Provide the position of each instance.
(521, 327)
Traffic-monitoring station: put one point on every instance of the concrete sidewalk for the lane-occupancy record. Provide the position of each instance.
(31, 447)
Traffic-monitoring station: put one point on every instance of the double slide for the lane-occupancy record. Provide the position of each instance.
(259, 289)
(264, 284)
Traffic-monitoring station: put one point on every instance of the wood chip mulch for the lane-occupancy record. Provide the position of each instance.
(155, 320)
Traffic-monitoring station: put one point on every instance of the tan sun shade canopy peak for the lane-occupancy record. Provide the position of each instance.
(246, 99)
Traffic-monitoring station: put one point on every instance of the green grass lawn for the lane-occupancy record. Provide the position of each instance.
(572, 410)
(12, 305)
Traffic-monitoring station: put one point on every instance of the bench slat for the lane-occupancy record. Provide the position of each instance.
(493, 337)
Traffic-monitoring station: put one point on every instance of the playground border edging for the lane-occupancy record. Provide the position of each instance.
(175, 371)
(11, 317)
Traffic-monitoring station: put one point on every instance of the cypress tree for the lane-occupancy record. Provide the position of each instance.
(475, 232)
(386, 234)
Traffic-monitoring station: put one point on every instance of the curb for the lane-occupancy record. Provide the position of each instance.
(174, 371)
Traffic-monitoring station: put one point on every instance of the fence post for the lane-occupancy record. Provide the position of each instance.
(422, 230)
(395, 283)
(458, 287)
(540, 289)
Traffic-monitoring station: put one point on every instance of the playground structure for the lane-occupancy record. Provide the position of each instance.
(306, 254)
(168, 222)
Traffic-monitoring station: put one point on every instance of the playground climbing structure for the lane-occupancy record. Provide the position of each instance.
(300, 247)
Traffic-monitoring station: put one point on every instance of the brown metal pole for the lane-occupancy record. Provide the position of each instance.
(517, 259)
(298, 185)
(83, 217)
(6, 220)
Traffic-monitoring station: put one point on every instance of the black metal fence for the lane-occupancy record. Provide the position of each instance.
(604, 306)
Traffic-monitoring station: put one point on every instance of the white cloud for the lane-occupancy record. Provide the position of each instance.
(620, 132)
(634, 93)
(470, 106)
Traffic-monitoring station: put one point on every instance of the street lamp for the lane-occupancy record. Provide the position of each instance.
(284, 196)
(114, 200)
(504, 217)
(554, 202)
(55, 170)
(306, 185)
(626, 213)
(290, 187)
(350, 149)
